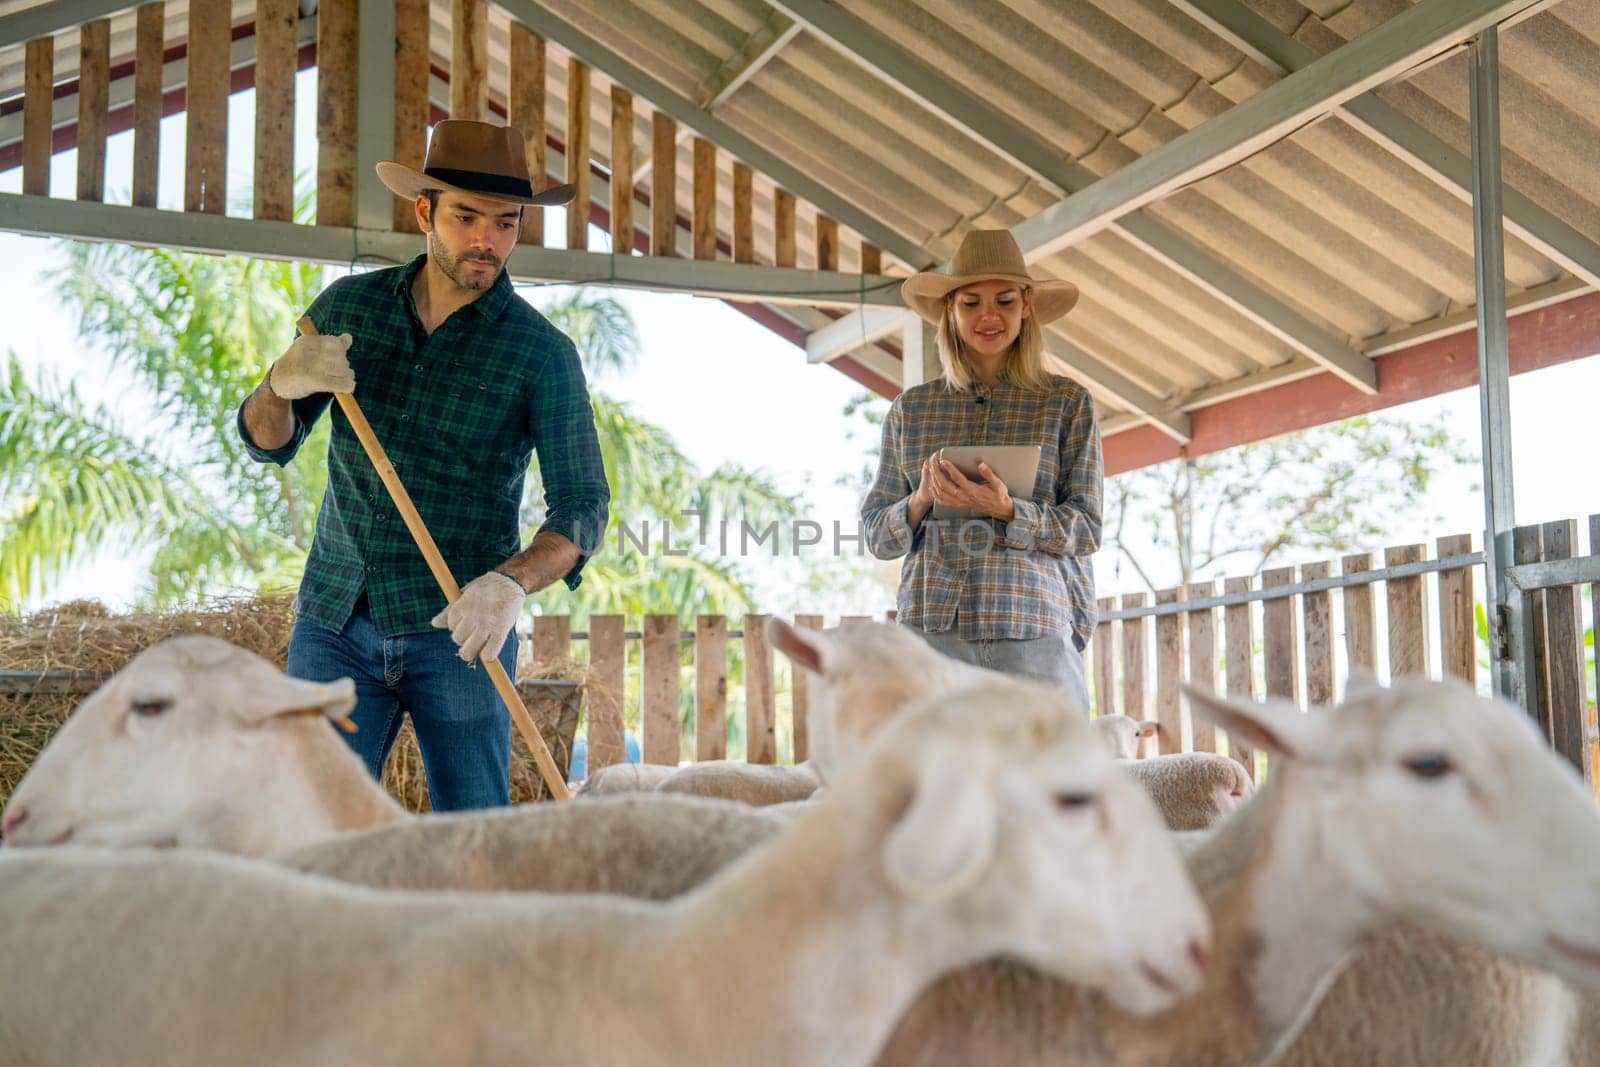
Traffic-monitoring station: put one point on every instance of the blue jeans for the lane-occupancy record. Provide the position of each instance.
(1053, 658)
(462, 725)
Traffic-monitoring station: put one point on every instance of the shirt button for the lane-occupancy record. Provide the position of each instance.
(405, 418)
(419, 366)
(383, 516)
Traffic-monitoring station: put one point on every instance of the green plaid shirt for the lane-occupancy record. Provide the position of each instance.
(461, 413)
(1023, 579)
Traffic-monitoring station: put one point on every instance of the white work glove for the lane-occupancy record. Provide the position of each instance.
(316, 364)
(483, 614)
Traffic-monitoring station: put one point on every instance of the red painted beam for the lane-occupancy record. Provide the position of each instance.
(1541, 338)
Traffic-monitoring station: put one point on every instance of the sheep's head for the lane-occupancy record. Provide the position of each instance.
(151, 753)
(1442, 808)
(1123, 734)
(1017, 833)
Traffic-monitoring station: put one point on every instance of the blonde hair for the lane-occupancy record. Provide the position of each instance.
(1024, 360)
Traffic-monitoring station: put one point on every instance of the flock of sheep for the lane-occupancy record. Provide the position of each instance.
(979, 879)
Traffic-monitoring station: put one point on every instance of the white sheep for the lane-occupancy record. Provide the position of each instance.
(1123, 733)
(755, 784)
(1422, 803)
(961, 835)
(624, 778)
(1192, 789)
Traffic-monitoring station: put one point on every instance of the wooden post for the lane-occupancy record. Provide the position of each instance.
(1527, 546)
(760, 735)
(608, 663)
(827, 243)
(783, 240)
(1105, 661)
(663, 185)
(1360, 623)
(552, 638)
(1319, 637)
(149, 42)
(1203, 662)
(469, 60)
(800, 683)
(206, 103)
(744, 229)
(1564, 630)
(705, 199)
(1458, 629)
(276, 61)
(37, 102)
(1239, 666)
(711, 687)
(658, 690)
(1133, 631)
(411, 105)
(336, 112)
(578, 153)
(94, 95)
(1408, 614)
(526, 113)
(621, 171)
(1169, 675)
(1280, 637)
(871, 259)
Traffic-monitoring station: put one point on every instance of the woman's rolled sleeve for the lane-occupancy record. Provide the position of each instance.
(885, 514)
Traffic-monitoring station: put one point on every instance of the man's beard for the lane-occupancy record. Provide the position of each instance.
(451, 266)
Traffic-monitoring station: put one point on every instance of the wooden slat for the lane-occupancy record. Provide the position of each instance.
(1360, 622)
(663, 185)
(1104, 647)
(206, 106)
(469, 60)
(760, 734)
(1203, 662)
(1319, 637)
(1594, 592)
(827, 243)
(578, 153)
(854, 618)
(891, 615)
(608, 663)
(1133, 642)
(744, 226)
(94, 94)
(552, 638)
(1458, 628)
(39, 75)
(800, 684)
(411, 105)
(149, 43)
(336, 112)
(1564, 633)
(621, 171)
(1280, 637)
(526, 113)
(871, 259)
(783, 230)
(711, 687)
(1169, 675)
(1527, 546)
(1239, 639)
(276, 60)
(705, 199)
(1408, 614)
(658, 690)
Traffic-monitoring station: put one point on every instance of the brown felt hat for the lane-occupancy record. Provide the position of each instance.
(476, 158)
(987, 255)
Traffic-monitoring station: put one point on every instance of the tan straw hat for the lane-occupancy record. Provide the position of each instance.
(987, 255)
(476, 158)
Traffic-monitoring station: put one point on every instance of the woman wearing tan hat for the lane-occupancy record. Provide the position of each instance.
(1014, 590)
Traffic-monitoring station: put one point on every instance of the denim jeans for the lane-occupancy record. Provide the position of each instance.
(462, 725)
(1053, 658)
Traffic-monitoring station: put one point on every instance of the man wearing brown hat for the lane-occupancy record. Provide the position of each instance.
(463, 383)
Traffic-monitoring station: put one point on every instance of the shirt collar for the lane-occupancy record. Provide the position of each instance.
(489, 305)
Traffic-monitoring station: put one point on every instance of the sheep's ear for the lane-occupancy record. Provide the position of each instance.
(1147, 728)
(265, 697)
(947, 834)
(1361, 683)
(1276, 726)
(805, 648)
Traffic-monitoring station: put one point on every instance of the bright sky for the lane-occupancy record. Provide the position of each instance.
(730, 390)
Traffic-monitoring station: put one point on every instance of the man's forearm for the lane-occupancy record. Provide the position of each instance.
(268, 417)
(544, 562)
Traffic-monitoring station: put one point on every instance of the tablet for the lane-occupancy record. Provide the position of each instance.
(1017, 466)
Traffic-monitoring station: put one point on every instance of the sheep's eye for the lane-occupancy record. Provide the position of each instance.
(1429, 765)
(148, 708)
(1075, 801)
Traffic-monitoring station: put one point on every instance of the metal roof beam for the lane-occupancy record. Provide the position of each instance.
(637, 81)
(1005, 135)
(1276, 50)
(745, 64)
(1094, 372)
(844, 335)
(41, 20)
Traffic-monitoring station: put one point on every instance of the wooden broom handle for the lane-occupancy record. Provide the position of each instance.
(447, 582)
